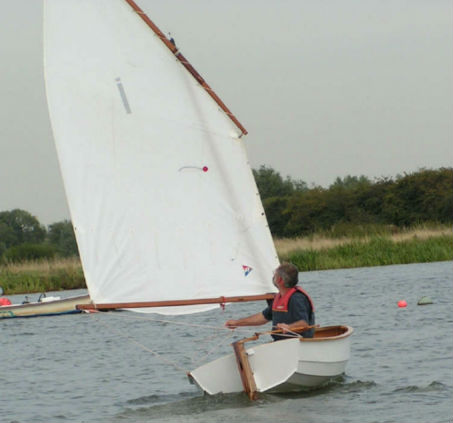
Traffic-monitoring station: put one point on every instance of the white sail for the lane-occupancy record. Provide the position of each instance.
(162, 198)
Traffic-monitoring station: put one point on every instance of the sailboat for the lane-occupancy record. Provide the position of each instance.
(44, 306)
(165, 208)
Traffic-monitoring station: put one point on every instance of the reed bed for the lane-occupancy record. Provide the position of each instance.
(317, 252)
(318, 242)
(415, 246)
(42, 276)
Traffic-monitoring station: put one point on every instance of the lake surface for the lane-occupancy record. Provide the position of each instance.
(102, 367)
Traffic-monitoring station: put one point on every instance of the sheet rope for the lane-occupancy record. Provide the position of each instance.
(220, 338)
(158, 355)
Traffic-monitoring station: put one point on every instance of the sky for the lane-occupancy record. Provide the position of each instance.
(325, 88)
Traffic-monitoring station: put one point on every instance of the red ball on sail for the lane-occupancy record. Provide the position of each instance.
(205, 169)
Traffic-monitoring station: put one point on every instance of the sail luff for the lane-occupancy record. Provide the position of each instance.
(173, 303)
(186, 64)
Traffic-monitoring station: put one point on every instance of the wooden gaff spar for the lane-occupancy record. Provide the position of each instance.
(185, 63)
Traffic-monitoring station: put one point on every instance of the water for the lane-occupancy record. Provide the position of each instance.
(101, 367)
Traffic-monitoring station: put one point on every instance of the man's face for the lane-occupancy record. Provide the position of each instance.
(275, 280)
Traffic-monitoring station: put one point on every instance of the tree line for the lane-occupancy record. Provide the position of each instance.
(23, 237)
(295, 209)
(292, 209)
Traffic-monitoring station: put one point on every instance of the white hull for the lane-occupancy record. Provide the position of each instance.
(284, 366)
(46, 308)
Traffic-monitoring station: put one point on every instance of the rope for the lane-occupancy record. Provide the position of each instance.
(195, 325)
(216, 346)
(144, 347)
(206, 340)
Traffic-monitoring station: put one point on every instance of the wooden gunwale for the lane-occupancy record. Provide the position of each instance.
(345, 332)
(185, 63)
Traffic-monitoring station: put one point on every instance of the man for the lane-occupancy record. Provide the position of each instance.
(291, 308)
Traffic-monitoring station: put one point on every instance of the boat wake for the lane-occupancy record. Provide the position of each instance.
(432, 387)
(160, 399)
(339, 384)
(182, 404)
(357, 385)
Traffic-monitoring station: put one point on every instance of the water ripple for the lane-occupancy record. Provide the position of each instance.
(432, 387)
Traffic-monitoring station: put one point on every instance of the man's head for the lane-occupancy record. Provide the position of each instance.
(289, 273)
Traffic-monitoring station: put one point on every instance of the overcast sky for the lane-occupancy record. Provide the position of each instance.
(325, 88)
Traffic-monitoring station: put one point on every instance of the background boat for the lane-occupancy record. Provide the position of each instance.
(47, 306)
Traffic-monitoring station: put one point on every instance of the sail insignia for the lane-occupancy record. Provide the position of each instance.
(247, 270)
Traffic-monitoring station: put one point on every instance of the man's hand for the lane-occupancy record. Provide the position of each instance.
(284, 327)
(231, 324)
(253, 320)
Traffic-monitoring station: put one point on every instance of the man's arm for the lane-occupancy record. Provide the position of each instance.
(295, 325)
(299, 308)
(253, 320)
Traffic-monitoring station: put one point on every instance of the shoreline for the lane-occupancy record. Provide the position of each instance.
(308, 254)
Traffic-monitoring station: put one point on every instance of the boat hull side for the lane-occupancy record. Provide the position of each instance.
(303, 364)
(51, 308)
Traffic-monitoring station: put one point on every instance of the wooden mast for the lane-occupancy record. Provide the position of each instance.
(185, 63)
(171, 303)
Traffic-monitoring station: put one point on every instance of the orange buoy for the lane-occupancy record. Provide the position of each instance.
(402, 303)
(4, 301)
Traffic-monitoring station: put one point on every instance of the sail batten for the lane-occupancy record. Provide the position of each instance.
(162, 199)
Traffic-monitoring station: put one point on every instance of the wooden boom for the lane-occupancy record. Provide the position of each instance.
(185, 63)
(171, 303)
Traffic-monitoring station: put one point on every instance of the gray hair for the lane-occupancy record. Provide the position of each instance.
(289, 273)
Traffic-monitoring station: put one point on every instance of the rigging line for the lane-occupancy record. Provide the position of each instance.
(204, 343)
(144, 347)
(196, 325)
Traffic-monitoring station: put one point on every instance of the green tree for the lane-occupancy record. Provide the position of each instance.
(61, 236)
(423, 196)
(420, 197)
(306, 212)
(28, 251)
(271, 184)
(351, 182)
(19, 226)
(7, 237)
(276, 213)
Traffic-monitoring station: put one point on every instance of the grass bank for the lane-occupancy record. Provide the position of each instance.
(412, 246)
(42, 276)
(319, 252)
